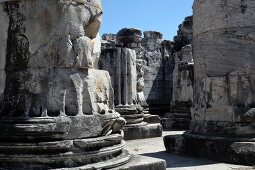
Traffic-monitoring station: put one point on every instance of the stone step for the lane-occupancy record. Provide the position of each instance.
(152, 119)
(142, 132)
(133, 116)
(234, 150)
(134, 121)
(138, 162)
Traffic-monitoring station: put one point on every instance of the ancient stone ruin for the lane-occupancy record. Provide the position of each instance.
(164, 72)
(120, 60)
(69, 98)
(222, 126)
(181, 103)
(157, 65)
(56, 109)
(153, 62)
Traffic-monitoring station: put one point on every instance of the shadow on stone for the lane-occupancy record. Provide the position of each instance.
(177, 161)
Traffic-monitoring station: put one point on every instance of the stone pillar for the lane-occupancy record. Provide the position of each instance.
(182, 100)
(224, 74)
(222, 125)
(122, 65)
(179, 117)
(56, 110)
(131, 38)
(157, 71)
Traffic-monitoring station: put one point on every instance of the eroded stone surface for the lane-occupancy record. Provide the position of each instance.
(54, 104)
(184, 35)
(179, 116)
(43, 39)
(157, 66)
(223, 56)
(222, 126)
(121, 64)
(153, 65)
(119, 57)
(183, 80)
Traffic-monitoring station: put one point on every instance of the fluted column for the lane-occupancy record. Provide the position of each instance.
(119, 77)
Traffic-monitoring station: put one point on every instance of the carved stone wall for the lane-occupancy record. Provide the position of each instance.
(182, 100)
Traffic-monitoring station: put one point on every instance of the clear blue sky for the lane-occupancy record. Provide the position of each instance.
(155, 15)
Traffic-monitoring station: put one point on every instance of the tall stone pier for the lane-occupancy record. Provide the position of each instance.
(180, 113)
(158, 67)
(179, 117)
(223, 115)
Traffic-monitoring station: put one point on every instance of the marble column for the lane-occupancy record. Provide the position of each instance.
(121, 64)
(56, 109)
(119, 57)
(223, 115)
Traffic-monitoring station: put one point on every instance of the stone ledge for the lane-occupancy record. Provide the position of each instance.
(151, 118)
(142, 132)
(107, 157)
(124, 158)
(224, 149)
(143, 163)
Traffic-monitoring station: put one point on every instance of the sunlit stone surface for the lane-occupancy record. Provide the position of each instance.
(56, 109)
(119, 57)
(223, 114)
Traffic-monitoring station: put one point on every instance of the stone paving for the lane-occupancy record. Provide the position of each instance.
(154, 147)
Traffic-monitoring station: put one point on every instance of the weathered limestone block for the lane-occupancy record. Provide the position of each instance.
(109, 41)
(183, 76)
(109, 37)
(183, 80)
(224, 58)
(222, 126)
(130, 38)
(157, 71)
(153, 40)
